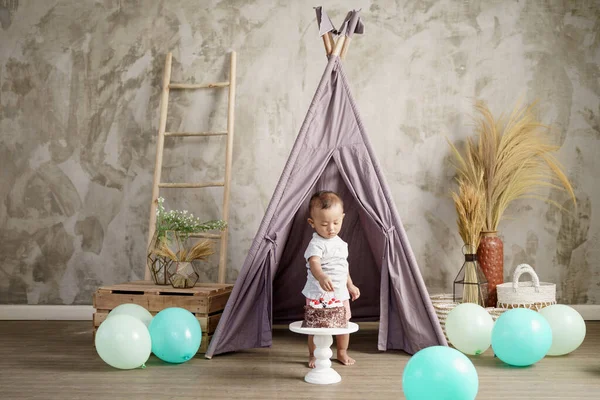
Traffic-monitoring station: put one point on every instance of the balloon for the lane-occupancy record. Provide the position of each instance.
(521, 337)
(133, 310)
(440, 373)
(123, 342)
(176, 335)
(469, 328)
(568, 328)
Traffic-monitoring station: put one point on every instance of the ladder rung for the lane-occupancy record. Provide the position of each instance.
(206, 235)
(190, 185)
(195, 133)
(198, 85)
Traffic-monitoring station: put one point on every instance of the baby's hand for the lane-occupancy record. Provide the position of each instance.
(354, 292)
(326, 283)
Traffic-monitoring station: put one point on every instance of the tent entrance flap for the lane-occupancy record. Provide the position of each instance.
(358, 230)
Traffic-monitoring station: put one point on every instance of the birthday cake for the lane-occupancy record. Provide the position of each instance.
(323, 313)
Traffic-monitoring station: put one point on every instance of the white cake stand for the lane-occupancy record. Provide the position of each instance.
(323, 374)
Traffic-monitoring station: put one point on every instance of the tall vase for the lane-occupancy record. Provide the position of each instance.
(490, 255)
(470, 284)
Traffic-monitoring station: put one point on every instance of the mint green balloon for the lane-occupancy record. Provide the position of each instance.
(176, 335)
(440, 373)
(521, 337)
(123, 342)
(469, 328)
(568, 328)
(134, 310)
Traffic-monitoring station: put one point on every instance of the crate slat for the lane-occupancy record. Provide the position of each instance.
(204, 344)
(218, 302)
(151, 302)
(202, 289)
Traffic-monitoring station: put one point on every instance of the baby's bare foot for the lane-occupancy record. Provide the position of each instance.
(311, 361)
(342, 356)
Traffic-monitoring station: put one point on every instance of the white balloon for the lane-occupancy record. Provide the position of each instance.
(133, 310)
(123, 342)
(568, 328)
(469, 328)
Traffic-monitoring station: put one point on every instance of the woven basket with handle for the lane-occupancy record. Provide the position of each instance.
(444, 303)
(532, 294)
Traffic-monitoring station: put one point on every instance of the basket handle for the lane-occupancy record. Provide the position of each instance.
(525, 269)
(517, 269)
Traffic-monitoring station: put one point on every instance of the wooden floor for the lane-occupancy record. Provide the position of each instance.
(57, 360)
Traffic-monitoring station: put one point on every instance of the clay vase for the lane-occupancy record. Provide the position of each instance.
(490, 255)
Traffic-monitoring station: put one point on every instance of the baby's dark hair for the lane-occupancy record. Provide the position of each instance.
(324, 200)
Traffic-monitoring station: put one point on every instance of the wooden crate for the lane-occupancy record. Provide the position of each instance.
(206, 301)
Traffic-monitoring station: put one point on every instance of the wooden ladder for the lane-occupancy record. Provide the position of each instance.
(157, 184)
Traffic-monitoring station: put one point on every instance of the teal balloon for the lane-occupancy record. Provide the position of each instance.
(176, 335)
(521, 337)
(133, 310)
(440, 373)
(123, 342)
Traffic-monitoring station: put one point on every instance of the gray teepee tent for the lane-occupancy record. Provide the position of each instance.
(331, 152)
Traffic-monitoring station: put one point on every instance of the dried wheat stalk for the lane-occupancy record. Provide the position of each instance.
(200, 251)
(470, 207)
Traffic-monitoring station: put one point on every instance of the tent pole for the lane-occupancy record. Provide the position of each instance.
(345, 47)
(328, 41)
(338, 45)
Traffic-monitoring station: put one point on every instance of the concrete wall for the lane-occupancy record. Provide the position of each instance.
(79, 99)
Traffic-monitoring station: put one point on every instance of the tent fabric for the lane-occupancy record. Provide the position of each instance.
(331, 152)
(352, 23)
(324, 22)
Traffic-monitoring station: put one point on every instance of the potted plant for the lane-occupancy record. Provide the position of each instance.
(169, 249)
(179, 257)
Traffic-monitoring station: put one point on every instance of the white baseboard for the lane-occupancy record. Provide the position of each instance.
(38, 312)
(589, 312)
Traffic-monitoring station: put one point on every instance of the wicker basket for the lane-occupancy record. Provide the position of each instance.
(495, 312)
(442, 298)
(444, 303)
(442, 309)
(532, 294)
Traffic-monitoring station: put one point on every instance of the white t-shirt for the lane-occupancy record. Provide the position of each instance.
(334, 262)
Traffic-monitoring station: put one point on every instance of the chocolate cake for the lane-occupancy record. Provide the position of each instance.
(325, 314)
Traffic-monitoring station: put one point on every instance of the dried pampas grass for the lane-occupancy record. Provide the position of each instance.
(515, 157)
